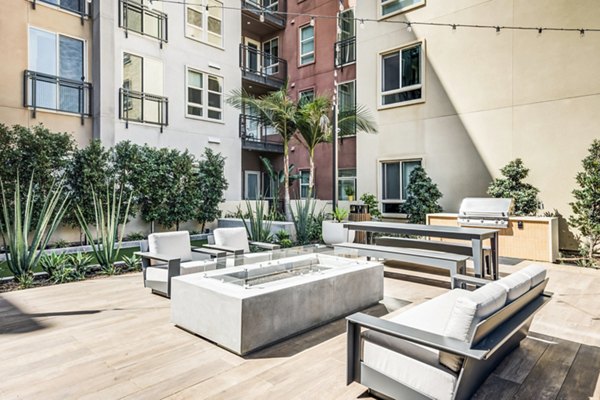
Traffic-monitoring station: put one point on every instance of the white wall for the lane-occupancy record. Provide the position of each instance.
(182, 133)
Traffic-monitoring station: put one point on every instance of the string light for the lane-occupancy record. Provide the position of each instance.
(540, 30)
(497, 28)
(312, 21)
(408, 27)
(362, 24)
(262, 17)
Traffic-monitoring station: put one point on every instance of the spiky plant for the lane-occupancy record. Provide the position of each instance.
(16, 226)
(106, 243)
(304, 220)
(259, 222)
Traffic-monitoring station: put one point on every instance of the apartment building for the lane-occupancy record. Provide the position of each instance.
(281, 42)
(46, 73)
(162, 72)
(464, 102)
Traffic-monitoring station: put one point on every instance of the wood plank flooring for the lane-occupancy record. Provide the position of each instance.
(111, 339)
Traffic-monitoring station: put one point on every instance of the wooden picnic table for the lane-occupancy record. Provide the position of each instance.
(475, 235)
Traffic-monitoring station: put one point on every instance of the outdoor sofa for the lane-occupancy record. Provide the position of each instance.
(445, 347)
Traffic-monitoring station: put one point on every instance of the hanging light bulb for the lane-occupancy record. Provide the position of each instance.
(341, 5)
(408, 27)
(312, 21)
(498, 29)
(262, 17)
(540, 31)
(453, 27)
(362, 24)
(582, 32)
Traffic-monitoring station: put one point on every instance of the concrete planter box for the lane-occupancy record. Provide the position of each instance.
(244, 308)
(530, 238)
(275, 225)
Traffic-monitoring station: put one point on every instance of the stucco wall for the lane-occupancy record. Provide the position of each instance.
(489, 97)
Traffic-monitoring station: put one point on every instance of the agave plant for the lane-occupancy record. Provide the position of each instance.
(132, 263)
(304, 220)
(106, 244)
(259, 223)
(16, 226)
(81, 262)
(50, 263)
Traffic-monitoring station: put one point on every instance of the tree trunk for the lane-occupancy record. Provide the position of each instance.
(286, 182)
(311, 177)
(177, 226)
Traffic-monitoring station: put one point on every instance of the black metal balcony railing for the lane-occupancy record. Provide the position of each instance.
(345, 52)
(262, 68)
(74, 6)
(49, 92)
(273, 12)
(143, 20)
(144, 108)
(257, 135)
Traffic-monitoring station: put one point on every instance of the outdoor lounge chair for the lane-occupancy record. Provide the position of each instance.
(235, 241)
(446, 347)
(171, 254)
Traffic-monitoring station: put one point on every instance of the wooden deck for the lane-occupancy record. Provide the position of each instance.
(110, 339)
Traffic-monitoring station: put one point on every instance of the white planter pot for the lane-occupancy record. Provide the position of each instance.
(334, 232)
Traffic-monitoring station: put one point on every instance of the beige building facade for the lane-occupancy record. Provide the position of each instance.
(464, 102)
(46, 68)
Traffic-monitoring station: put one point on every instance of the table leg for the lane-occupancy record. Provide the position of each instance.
(495, 257)
(477, 257)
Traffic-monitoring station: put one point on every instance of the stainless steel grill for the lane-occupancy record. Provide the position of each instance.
(485, 212)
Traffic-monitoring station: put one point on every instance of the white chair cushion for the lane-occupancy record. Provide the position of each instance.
(535, 272)
(516, 285)
(468, 310)
(157, 274)
(175, 244)
(236, 238)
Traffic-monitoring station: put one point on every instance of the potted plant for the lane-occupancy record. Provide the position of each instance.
(334, 231)
(349, 190)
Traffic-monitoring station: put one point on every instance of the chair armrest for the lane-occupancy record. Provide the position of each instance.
(267, 246)
(212, 252)
(225, 249)
(459, 279)
(155, 256)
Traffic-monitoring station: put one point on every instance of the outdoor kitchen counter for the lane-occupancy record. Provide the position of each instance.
(475, 235)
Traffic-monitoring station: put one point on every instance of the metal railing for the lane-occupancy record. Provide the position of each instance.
(257, 135)
(49, 92)
(77, 7)
(344, 52)
(262, 67)
(273, 12)
(143, 20)
(144, 108)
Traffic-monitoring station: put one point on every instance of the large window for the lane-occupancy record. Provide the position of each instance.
(205, 25)
(204, 95)
(346, 183)
(271, 50)
(251, 185)
(402, 75)
(395, 176)
(144, 17)
(58, 60)
(347, 107)
(304, 183)
(76, 6)
(391, 7)
(307, 45)
(345, 47)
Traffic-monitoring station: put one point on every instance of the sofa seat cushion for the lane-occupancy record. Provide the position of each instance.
(412, 365)
(468, 310)
(535, 272)
(174, 244)
(157, 274)
(516, 285)
(236, 238)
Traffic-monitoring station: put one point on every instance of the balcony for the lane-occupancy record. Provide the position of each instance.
(272, 12)
(257, 136)
(142, 20)
(49, 92)
(143, 108)
(74, 6)
(262, 68)
(344, 52)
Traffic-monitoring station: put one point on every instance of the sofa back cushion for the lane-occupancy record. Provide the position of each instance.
(468, 310)
(535, 272)
(236, 238)
(516, 285)
(175, 244)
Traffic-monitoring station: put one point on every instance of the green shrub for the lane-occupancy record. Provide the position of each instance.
(50, 263)
(422, 197)
(60, 244)
(82, 263)
(132, 263)
(211, 186)
(134, 236)
(304, 220)
(512, 186)
(259, 223)
(371, 201)
(340, 214)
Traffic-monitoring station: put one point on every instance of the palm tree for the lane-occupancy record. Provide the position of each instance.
(278, 110)
(314, 127)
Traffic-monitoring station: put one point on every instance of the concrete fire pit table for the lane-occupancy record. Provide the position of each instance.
(247, 308)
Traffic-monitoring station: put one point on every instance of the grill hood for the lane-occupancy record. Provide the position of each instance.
(485, 212)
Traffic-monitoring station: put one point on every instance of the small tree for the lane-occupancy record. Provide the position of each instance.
(586, 207)
(422, 197)
(512, 186)
(212, 184)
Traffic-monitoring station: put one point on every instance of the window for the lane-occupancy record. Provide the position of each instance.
(391, 7)
(346, 25)
(51, 56)
(205, 25)
(345, 47)
(251, 185)
(401, 75)
(307, 45)
(269, 186)
(304, 183)
(144, 17)
(271, 50)
(306, 96)
(76, 6)
(204, 95)
(346, 183)
(142, 90)
(395, 176)
(346, 107)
